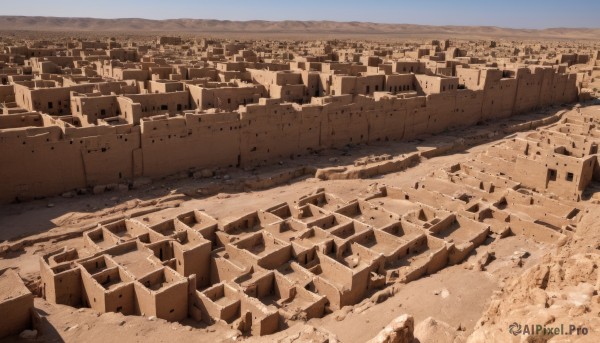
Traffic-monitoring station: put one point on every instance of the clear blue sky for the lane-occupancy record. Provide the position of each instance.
(505, 13)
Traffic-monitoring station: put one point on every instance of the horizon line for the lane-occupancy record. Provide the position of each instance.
(304, 20)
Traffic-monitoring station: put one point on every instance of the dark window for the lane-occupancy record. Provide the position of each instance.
(570, 177)
(50, 105)
(164, 107)
(552, 174)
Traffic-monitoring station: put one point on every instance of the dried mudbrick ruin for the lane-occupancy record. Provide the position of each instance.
(152, 114)
(294, 259)
(81, 116)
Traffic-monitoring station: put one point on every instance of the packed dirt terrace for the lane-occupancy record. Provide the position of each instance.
(219, 190)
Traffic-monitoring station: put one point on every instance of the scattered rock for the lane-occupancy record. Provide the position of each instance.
(433, 330)
(380, 296)
(484, 260)
(517, 262)
(28, 334)
(140, 182)
(98, 189)
(71, 328)
(112, 186)
(373, 188)
(68, 195)
(521, 254)
(518, 257)
(539, 297)
(400, 330)
(578, 311)
(152, 318)
(444, 293)
(207, 173)
(342, 313)
(204, 173)
(50, 205)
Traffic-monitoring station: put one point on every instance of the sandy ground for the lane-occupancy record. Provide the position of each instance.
(442, 295)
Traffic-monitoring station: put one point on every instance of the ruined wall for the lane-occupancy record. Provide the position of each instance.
(386, 120)
(399, 83)
(21, 120)
(49, 160)
(152, 104)
(53, 101)
(196, 73)
(130, 74)
(499, 98)
(7, 93)
(92, 108)
(71, 158)
(262, 125)
(225, 98)
(165, 143)
(16, 304)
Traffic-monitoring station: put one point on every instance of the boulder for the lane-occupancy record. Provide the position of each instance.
(400, 330)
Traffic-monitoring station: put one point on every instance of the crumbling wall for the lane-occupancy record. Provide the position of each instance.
(16, 304)
(257, 134)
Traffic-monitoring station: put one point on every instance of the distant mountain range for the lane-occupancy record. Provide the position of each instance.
(287, 27)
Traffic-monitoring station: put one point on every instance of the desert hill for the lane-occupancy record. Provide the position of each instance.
(24, 23)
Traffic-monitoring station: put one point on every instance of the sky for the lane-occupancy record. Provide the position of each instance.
(503, 13)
